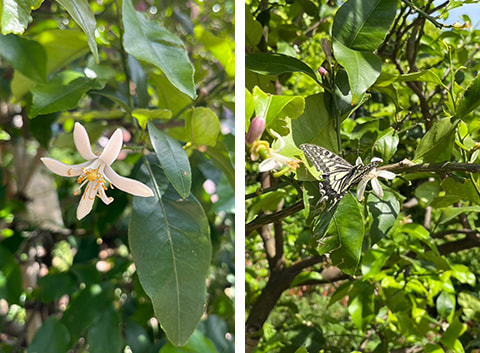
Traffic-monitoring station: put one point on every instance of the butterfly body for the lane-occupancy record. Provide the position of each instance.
(338, 175)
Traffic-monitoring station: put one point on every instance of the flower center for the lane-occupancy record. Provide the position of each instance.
(92, 175)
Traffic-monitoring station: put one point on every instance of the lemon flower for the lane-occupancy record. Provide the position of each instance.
(276, 161)
(372, 177)
(96, 171)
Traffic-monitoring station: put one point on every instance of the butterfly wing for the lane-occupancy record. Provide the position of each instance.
(338, 175)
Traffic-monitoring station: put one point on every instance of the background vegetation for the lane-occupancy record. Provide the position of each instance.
(391, 274)
(163, 72)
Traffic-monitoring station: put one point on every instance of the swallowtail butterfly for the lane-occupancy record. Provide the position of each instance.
(338, 175)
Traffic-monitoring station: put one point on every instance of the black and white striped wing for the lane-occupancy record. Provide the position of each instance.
(338, 175)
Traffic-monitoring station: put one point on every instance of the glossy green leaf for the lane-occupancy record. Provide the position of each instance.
(55, 96)
(360, 306)
(84, 309)
(273, 107)
(373, 262)
(15, 14)
(315, 125)
(173, 159)
(52, 337)
(253, 29)
(145, 115)
(387, 144)
(276, 64)
(363, 68)
(345, 235)
(437, 144)
(470, 100)
(149, 41)
(463, 274)
(221, 159)
(82, 14)
(249, 108)
(25, 55)
(198, 343)
(10, 277)
(223, 49)
(363, 25)
(384, 214)
(427, 191)
(62, 47)
(105, 334)
(445, 304)
(203, 127)
(169, 97)
(170, 242)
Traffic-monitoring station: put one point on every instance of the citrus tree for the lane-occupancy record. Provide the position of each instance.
(341, 96)
(100, 100)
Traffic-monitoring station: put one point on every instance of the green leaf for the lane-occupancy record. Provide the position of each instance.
(148, 41)
(105, 334)
(445, 304)
(276, 64)
(249, 108)
(84, 309)
(253, 29)
(363, 68)
(25, 55)
(221, 159)
(387, 144)
(10, 277)
(145, 115)
(62, 47)
(437, 144)
(203, 126)
(360, 306)
(139, 77)
(54, 285)
(463, 274)
(173, 159)
(345, 235)
(273, 107)
(58, 95)
(384, 214)
(223, 49)
(470, 306)
(82, 14)
(373, 262)
(363, 25)
(198, 343)
(52, 337)
(15, 15)
(170, 242)
(315, 125)
(453, 333)
(470, 100)
(169, 97)
(463, 189)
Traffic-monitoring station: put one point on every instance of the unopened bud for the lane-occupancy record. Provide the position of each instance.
(322, 71)
(327, 49)
(255, 130)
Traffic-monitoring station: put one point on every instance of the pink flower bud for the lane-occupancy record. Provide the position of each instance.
(322, 71)
(255, 130)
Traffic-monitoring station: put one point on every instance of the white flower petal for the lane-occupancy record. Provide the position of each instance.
(269, 164)
(131, 186)
(114, 145)
(376, 159)
(386, 174)
(361, 188)
(63, 169)
(86, 202)
(103, 196)
(280, 140)
(377, 188)
(82, 142)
